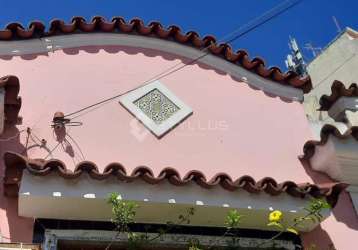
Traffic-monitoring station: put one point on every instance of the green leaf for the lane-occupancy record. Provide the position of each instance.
(233, 218)
(275, 224)
(292, 230)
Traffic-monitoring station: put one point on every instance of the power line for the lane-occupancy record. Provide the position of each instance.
(248, 27)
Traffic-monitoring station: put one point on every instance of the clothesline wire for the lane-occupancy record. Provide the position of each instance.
(248, 27)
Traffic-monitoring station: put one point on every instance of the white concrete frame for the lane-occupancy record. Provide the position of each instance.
(50, 44)
(159, 130)
(343, 104)
(345, 107)
(338, 158)
(168, 240)
(85, 199)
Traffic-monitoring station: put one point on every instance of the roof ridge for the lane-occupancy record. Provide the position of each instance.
(36, 29)
(16, 163)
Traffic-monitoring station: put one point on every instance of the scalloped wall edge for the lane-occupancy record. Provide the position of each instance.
(338, 89)
(15, 31)
(12, 102)
(327, 130)
(16, 164)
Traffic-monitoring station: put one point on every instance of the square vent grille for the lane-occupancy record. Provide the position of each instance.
(156, 107)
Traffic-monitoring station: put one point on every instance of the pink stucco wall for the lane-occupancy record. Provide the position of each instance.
(234, 128)
(12, 227)
(337, 232)
(230, 124)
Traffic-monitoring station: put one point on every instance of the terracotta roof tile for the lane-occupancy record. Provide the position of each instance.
(338, 89)
(15, 31)
(12, 100)
(16, 164)
(327, 130)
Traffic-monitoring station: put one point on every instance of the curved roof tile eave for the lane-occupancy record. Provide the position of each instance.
(327, 130)
(338, 89)
(12, 103)
(36, 29)
(16, 164)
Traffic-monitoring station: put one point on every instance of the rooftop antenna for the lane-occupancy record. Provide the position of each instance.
(315, 50)
(294, 61)
(339, 30)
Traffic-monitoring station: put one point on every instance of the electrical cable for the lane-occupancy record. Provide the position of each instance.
(268, 15)
(52, 150)
(13, 137)
(76, 144)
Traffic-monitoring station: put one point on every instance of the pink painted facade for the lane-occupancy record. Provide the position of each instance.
(234, 128)
(231, 121)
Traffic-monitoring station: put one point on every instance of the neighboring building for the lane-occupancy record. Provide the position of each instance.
(331, 108)
(337, 61)
(222, 132)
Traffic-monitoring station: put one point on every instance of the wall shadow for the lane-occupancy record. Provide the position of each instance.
(318, 238)
(343, 212)
(20, 228)
(114, 49)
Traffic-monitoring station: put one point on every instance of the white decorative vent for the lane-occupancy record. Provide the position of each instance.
(156, 107)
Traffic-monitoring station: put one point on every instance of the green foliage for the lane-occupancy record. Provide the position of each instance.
(275, 224)
(314, 210)
(123, 211)
(185, 218)
(194, 244)
(315, 207)
(233, 218)
(194, 248)
(136, 241)
(292, 230)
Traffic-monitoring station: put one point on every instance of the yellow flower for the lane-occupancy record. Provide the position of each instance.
(275, 216)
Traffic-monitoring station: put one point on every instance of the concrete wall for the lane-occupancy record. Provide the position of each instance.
(337, 62)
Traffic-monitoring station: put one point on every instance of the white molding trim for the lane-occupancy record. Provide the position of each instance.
(85, 199)
(50, 44)
(168, 240)
(345, 107)
(159, 130)
(337, 158)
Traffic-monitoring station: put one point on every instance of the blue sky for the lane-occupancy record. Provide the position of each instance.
(310, 21)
